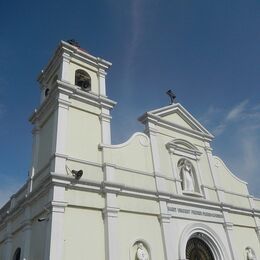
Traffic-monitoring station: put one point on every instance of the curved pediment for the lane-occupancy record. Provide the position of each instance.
(141, 137)
(181, 145)
(228, 179)
(132, 155)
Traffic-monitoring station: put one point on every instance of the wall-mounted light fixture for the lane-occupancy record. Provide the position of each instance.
(77, 174)
(44, 218)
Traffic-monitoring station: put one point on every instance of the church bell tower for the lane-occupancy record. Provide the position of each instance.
(74, 114)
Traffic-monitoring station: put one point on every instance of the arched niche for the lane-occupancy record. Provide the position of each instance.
(188, 176)
(140, 250)
(184, 154)
(250, 253)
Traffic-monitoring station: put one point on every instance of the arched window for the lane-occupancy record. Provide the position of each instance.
(17, 254)
(82, 79)
(188, 176)
(198, 249)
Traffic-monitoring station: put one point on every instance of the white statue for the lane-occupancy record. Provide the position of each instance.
(250, 254)
(141, 253)
(187, 176)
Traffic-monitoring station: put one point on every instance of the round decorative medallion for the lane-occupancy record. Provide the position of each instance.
(197, 249)
(144, 140)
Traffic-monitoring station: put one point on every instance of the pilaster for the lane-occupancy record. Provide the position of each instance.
(168, 237)
(110, 215)
(200, 186)
(109, 172)
(27, 229)
(35, 154)
(55, 227)
(105, 119)
(228, 227)
(59, 133)
(220, 194)
(65, 68)
(256, 218)
(8, 243)
(257, 230)
(160, 182)
(102, 81)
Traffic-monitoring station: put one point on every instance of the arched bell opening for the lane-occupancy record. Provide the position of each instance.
(83, 80)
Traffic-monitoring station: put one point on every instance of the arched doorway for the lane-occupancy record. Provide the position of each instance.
(197, 249)
(211, 242)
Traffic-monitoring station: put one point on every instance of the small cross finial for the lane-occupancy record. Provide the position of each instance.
(171, 95)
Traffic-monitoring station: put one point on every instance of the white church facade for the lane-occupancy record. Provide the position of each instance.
(162, 195)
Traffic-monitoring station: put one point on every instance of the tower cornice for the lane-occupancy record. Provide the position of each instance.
(68, 51)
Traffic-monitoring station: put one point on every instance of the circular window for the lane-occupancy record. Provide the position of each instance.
(197, 249)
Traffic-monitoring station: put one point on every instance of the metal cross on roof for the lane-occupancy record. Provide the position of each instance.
(171, 95)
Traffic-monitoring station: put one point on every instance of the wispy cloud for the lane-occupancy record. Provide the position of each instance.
(250, 152)
(244, 114)
(237, 112)
(240, 140)
(206, 118)
(225, 118)
(135, 34)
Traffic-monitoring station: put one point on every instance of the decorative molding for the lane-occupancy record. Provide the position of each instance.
(176, 147)
(110, 212)
(66, 181)
(150, 174)
(71, 52)
(165, 218)
(228, 225)
(126, 143)
(105, 117)
(195, 194)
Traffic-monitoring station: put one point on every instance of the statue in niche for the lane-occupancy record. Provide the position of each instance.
(141, 252)
(186, 174)
(250, 255)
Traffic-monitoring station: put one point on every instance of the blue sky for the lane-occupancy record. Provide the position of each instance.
(206, 51)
